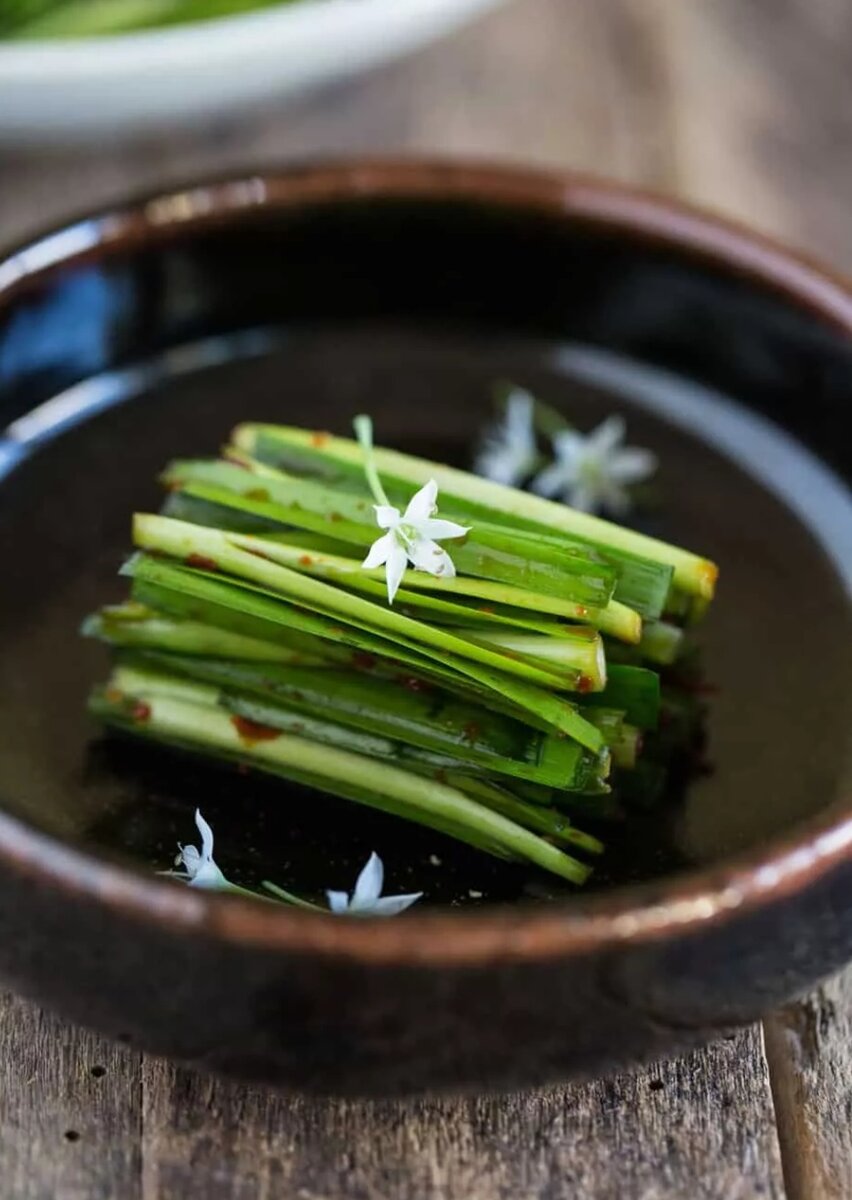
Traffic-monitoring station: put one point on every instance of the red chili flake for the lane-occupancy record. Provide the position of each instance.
(202, 562)
(486, 608)
(306, 560)
(114, 695)
(252, 731)
(243, 769)
(257, 494)
(585, 683)
(363, 661)
(582, 611)
(471, 731)
(320, 439)
(141, 711)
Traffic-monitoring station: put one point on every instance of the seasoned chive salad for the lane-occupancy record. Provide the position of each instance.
(485, 662)
(56, 19)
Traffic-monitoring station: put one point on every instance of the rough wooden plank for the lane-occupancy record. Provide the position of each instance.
(762, 101)
(809, 1046)
(701, 1127)
(70, 1110)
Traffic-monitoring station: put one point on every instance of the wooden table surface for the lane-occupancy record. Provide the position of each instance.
(741, 105)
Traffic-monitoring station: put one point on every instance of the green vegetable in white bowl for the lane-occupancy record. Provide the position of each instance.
(94, 18)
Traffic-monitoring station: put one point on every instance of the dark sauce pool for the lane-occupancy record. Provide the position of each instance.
(64, 531)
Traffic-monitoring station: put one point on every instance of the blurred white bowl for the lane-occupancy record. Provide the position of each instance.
(79, 88)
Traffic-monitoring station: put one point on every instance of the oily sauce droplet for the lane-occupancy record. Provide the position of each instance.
(202, 562)
(252, 732)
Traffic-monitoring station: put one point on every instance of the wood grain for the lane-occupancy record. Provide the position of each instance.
(810, 1053)
(742, 107)
(70, 1110)
(702, 1126)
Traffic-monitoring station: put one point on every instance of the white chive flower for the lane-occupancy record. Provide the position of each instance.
(367, 899)
(593, 471)
(199, 869)
(413, 538)
(509, 452)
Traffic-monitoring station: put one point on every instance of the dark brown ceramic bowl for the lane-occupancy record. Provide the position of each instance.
(407, 289)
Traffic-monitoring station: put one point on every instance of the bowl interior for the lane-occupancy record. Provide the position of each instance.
(410, 310)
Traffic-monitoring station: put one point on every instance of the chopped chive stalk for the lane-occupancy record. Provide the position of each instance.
(507, 676)
(188, 637)
(195, 722)
(634, 690)
(483, 704)
(626, 747)
(548, 822)
(661, 643)
(642, 584)
(349, 572)
(182, 592)
(579, 654)
(254, 560)
(428, 718)
(489, 552)
(692, 574)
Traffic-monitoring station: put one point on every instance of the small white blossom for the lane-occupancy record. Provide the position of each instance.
(199, 869)
(367, 899)
(509, 452)
(413, 537)
(593, 471)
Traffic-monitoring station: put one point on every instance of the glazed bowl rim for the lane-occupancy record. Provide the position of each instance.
(672, 906)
